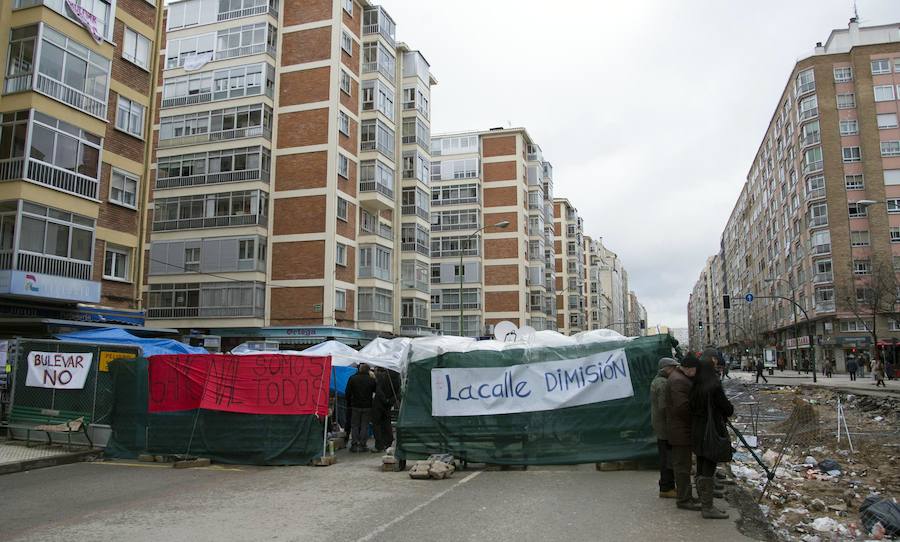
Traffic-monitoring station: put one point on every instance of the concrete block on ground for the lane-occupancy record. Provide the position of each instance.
(191, 463)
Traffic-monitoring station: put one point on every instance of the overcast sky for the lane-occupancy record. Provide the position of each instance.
(650, 110)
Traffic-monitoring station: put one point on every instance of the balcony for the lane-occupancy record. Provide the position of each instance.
(824, 306)
(817, 193)
(413, 284)
(823, 277)
(416, 140)
(211, 222)
(810, 113)
(819, 250)
(817, 221)
(410, 210)
(47, 265)
(213, 178)
(384, 68)
(175, 313)
(813, 167)
(247, 12)
(379, 146)
(223, 135)
(415, 247)
(375, 316)
(254, 49)
(49, 175)
(805, 88)
(812, 139)
(375, 186)
(377, 21)
(371, 272)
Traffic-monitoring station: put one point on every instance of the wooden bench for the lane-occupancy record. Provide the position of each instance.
(30, 419)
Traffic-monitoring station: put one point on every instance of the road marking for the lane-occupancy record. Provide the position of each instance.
(382, 528)
(166, 466)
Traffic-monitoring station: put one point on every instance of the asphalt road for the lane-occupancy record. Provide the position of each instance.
(351, 500)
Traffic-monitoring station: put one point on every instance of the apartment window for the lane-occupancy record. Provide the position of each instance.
(454, 145)
(123, 188)
(347, 43)
(130, 117)
(881, 66)
(344, 123)
(862, 267)
(340, 254)
(818, 215)
(348, 6)
(842, 75)
(345, 82)
(376, 176)
(895, 234)
(857, 210)
(243, 208)
(859, 238)
(806, 81)
(245, 40)
(809, 134)
(893, 205)
(887, 120)
(851, 154)
(191, 259)
(846, 101)
(340, 299)
(116, 263)
(136, 49)
(464, 168)
(849, 127)
(343, 207)
(53, 232)
(64, 60)
(65, 146)
(854, 182)
(375, 135)
(884, 93)
(195, 48)
(812, 160)
(890, 148)
(343, 166)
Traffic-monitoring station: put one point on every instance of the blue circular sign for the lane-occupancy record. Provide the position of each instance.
(749, 297)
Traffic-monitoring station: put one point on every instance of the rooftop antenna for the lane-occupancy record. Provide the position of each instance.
(855, 11)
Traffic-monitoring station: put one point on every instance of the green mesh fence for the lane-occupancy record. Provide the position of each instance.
(225, 437)
(607, 431)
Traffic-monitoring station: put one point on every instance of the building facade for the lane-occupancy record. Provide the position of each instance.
(75, 133)
(817, 222)
(292, 172)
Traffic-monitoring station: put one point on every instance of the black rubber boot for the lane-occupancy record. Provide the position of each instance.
(705, 489)
(686, 500)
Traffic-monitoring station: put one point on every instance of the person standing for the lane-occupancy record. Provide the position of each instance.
(889, 369)
(360, 392)
(878, 371)
(760, 367)
(678, 429)
(852, 367)
(385, 397)
(658, 390)
(709, 406)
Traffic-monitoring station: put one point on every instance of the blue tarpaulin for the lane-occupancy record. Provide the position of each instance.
(339, 378)
(149, 347)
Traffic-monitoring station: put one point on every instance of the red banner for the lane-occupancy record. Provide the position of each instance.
(259, 384)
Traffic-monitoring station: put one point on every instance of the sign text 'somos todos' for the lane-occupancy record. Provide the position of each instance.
(59, 370)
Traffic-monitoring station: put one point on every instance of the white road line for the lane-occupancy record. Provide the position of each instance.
(382, 528)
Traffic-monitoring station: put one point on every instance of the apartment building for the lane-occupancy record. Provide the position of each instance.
(818, 219)
(291, 196)
(491, 232)
(599, 301)
(75, 136)
(571, 274)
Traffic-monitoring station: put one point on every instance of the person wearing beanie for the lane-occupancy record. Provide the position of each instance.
(678, 429)
(658, 390)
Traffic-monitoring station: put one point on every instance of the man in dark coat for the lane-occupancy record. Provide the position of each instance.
(678, 426)
(760, 368)
(386, 395)
(852, 367)
(360, 391)
(658, 392)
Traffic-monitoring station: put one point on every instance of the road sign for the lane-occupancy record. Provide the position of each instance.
(749, 297)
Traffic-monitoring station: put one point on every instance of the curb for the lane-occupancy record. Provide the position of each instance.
(62, 459)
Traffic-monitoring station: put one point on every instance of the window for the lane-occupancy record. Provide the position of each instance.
(123, 188)
(849, 127)
(895, 234)
(340, 296)
(854, 182)
(345, 82)
(347, 43)
(806, 81)
(340, 254)
(890, 148)
(65, 146)
(56, 233)
(342, 209)
(857, 211)
(846, 101)
(344, 123)
(884, 93)
(851, 154)
(842, 75)
(130, 117)
(116, 263)
(195, 48)
(893, 205)
(192, 259)
(887, 120)
(348, 7)
(66, 61)
(859, 238)
(242, 208)
(812, 160)
(862, 267)
(881, 66)
(136, 49)
(375, 135)
(343, 166)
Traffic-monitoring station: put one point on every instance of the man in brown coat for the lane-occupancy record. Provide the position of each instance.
(678, 423)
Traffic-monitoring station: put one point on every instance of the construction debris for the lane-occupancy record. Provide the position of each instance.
(436, 467)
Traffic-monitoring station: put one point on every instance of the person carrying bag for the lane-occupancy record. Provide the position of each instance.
(709, 435)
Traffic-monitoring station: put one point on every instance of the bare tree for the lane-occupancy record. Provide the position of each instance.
(873, 295)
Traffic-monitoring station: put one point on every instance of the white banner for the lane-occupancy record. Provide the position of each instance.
(88, 20)
(197, 61)
(60, 370)
(548, 385)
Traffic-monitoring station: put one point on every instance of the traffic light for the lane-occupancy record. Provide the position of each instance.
(701, 324)
(726, 302)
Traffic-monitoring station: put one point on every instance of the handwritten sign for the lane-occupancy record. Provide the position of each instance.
(87, 19)
(106, 357)
(259, 384)
(59, 370)
(531, 387)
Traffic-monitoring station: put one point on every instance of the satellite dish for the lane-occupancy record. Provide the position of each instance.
(506, 331)
(526, 333)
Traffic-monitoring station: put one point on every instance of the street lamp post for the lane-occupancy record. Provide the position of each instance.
(501, 224)
(793, 310)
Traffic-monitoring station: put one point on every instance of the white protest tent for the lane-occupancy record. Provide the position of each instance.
(387, 353)
(341, 354)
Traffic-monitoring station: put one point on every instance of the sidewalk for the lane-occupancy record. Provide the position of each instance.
(15, 456)
(838, 381)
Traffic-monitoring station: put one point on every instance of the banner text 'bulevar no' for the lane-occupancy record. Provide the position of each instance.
(258, 384)
(549, 385)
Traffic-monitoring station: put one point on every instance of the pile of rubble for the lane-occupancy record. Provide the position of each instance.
(436, 467)
(821, 490)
